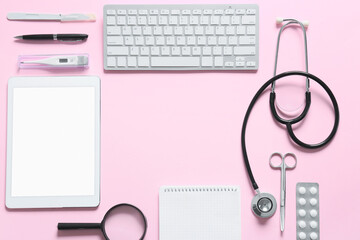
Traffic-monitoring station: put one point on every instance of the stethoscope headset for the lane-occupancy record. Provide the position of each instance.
(264, 204)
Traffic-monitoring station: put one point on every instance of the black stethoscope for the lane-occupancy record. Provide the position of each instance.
(264, 204)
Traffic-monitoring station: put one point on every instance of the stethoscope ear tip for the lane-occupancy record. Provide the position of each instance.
(280, 20)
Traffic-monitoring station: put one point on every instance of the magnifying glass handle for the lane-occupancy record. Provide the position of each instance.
(72, 226)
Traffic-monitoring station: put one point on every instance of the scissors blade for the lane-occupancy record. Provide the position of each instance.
(282, 218)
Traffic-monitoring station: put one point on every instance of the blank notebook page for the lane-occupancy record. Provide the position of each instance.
(200, 213)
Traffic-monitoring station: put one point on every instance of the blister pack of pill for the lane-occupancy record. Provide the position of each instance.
(307, 211)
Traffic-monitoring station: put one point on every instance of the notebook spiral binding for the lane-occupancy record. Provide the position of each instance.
(200, 189)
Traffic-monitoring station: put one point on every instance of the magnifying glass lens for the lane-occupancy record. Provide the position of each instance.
(124, 222)
(265, 205)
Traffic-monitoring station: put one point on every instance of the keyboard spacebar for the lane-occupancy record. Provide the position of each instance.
(175, 61)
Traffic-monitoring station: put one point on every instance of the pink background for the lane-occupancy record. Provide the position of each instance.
(172, 128)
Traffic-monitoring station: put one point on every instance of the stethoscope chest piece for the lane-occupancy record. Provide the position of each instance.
(263, 205)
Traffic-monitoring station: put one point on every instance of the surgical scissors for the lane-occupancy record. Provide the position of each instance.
(282, 166)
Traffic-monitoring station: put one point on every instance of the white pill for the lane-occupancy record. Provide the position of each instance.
(302, 190)
(313, 190)
(313, 224)
(302, 224)
(302, 235)
(302, 201)
(313, 213)
(302, 212)
(313, 201)
(313, 235)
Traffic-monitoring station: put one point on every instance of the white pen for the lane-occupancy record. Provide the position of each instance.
(51, 17)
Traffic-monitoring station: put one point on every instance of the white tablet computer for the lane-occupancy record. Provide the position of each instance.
(53, 142)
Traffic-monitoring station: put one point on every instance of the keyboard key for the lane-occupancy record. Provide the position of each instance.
(121, 20)
(155, 51)
(240, 30)
(228, 51)
(248, 20)
(154, 11)
(225, 20)
(251, 30)
(207, 61)
(117, 50)
(121, 61)
(189, 30)
(183, 20)
(196, 51)
(197, 11)
(121, 12)
(129, 41)
(165, 51)
(175, 12)
(207, 11)
(250, 11)
(142, 20)
(250, 64)
(235, 20)
(240, 64)
(219, 61)
(160, 40)
(229, 11)
(246, 40)
(147, 31)
(131, 61)
(113, 30)
(175, 51)
(204, 20)
(186, 12)
(143, 12)
(132, 11)
(110, 12)
(139, 41)
(131, 20)
(214, 20)
(152, 20)
(229, 64)
(111, 61)
(126, 30)
(136, 30)
(178, 30)
(217, 50)
(134, 51)
(180, 41)
(175, 61)
(111, 20)
(164, 11)
(144, 51)
(115, 40)
(186, 51)
(149, 40)
(218, 11)
(163, 20)
(206, 51)
(194, 20)
(143, 61)
(240, 11)
(244, 50)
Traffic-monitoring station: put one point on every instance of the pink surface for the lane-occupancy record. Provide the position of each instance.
(184, 128)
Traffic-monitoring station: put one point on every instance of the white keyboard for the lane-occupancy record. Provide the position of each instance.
(181, 37)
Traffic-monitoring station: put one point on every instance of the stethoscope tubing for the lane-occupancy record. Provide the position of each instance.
(290, 122)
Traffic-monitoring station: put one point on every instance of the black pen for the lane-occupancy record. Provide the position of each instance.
(60, 37)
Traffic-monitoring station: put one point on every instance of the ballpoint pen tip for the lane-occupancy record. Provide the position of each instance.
(18, 37)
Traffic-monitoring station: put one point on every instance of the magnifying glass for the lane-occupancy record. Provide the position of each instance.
(122, 221)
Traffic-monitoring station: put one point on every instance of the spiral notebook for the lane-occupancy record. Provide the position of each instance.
(200, 213)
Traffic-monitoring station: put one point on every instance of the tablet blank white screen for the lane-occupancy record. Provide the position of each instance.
(53, 150)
